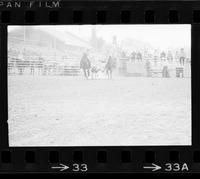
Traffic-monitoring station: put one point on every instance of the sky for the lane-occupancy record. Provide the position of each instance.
(159, 36)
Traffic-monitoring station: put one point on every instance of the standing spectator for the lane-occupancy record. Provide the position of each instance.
(148, 68)
(182, 56)
(145, 55)
(139, 56)
(133, 56)
(169, 56)
(162, 56)
(32, 66)
(176, 57)
(156, 57)
(40, 65)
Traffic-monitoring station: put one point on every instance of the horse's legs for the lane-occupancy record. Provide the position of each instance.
(110, 74)
(107, 72)
(88, 72)
(85, 74)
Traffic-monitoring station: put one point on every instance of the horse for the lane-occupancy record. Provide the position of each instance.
(110, 65)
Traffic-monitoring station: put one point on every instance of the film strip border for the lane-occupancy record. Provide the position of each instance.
(99, 12)
(100, 159)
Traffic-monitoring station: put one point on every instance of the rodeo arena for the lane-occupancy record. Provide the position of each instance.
(68, 90)
(45, 53)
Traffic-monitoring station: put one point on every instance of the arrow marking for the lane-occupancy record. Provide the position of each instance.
(62, 167)
(154, 167)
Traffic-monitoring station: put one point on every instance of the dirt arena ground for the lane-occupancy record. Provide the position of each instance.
(72, 111)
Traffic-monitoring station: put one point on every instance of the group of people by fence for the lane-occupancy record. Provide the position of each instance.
(156, 56)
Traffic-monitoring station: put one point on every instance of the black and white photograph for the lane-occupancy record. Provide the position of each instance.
(99, 85)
